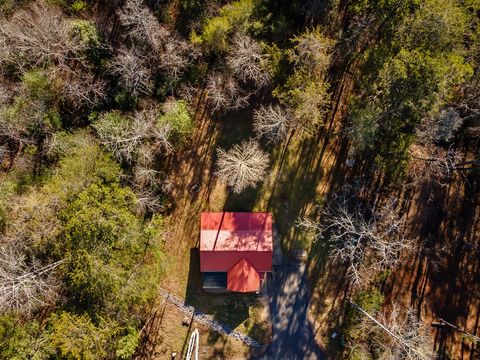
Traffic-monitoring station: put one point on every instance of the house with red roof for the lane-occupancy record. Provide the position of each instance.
(236, 250)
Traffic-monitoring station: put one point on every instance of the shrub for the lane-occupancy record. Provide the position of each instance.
(76, 337)
(232, 17)
(177, 115)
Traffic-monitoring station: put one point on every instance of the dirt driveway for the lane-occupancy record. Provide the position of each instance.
(293, 337)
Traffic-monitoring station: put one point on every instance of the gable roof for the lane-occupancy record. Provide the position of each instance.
(243, 277)
(228, 237)
(233, 231)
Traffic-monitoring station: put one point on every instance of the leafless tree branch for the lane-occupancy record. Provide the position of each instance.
(408, 337)
(24, 287)
(242, 166)
(247, 60)
(133, 70)
(273, 122)
(39, 34)
(224, 93)
(365, 246)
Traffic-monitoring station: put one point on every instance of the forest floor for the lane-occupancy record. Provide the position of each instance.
(443, 281)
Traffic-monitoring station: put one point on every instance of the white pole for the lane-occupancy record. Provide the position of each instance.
(193, 344)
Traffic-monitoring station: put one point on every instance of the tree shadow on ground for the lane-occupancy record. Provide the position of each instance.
(443, 280)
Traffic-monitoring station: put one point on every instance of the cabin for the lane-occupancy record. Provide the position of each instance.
(236, 250)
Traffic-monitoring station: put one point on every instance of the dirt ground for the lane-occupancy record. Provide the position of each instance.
(443, 281)
(172, 336)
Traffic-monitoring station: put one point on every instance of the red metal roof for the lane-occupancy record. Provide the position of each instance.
(228, 237)
(224, 260)
(259, 221)
(243, 277)
(228, 231)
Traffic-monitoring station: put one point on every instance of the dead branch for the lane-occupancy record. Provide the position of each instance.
(142, 26)
(409, 337)
(224, 93)
(39, 34)
(133, 71)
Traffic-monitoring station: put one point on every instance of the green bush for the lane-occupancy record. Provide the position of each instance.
(6, 5)
(354, 338)
(177, 114)
(86, 31)
(125, 100)
(232, 17)
(78, 5)
(34, 112)
(76, 337)
(38, 86)
(22, 340)
(127, 345)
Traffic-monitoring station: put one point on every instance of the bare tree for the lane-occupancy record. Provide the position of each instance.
(79, 88)
(160, 45)
(224, 93)
(16, 132)
(366, 246)
(176, 56)
(137, 137)
(273, 122)
(23, 286)
(441, 128)
(142, 25)
(247, 60)
(3, 153)
(122, 135)
(159, 132)
(151, 187)
(133, 70)
(5, 93)
(433, 163)
(242, 166)
(39, 34)
(405, 335)
(189, 93)
(149, 200)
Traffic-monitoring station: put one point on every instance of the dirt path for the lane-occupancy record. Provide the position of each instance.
(293, 334)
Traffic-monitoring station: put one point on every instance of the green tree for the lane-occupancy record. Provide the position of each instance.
(34, 112)
(216, 31)
(23, 340)
(408, 78)
(102, 243)
(76, 337)
(305, 91)
(176, 114)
